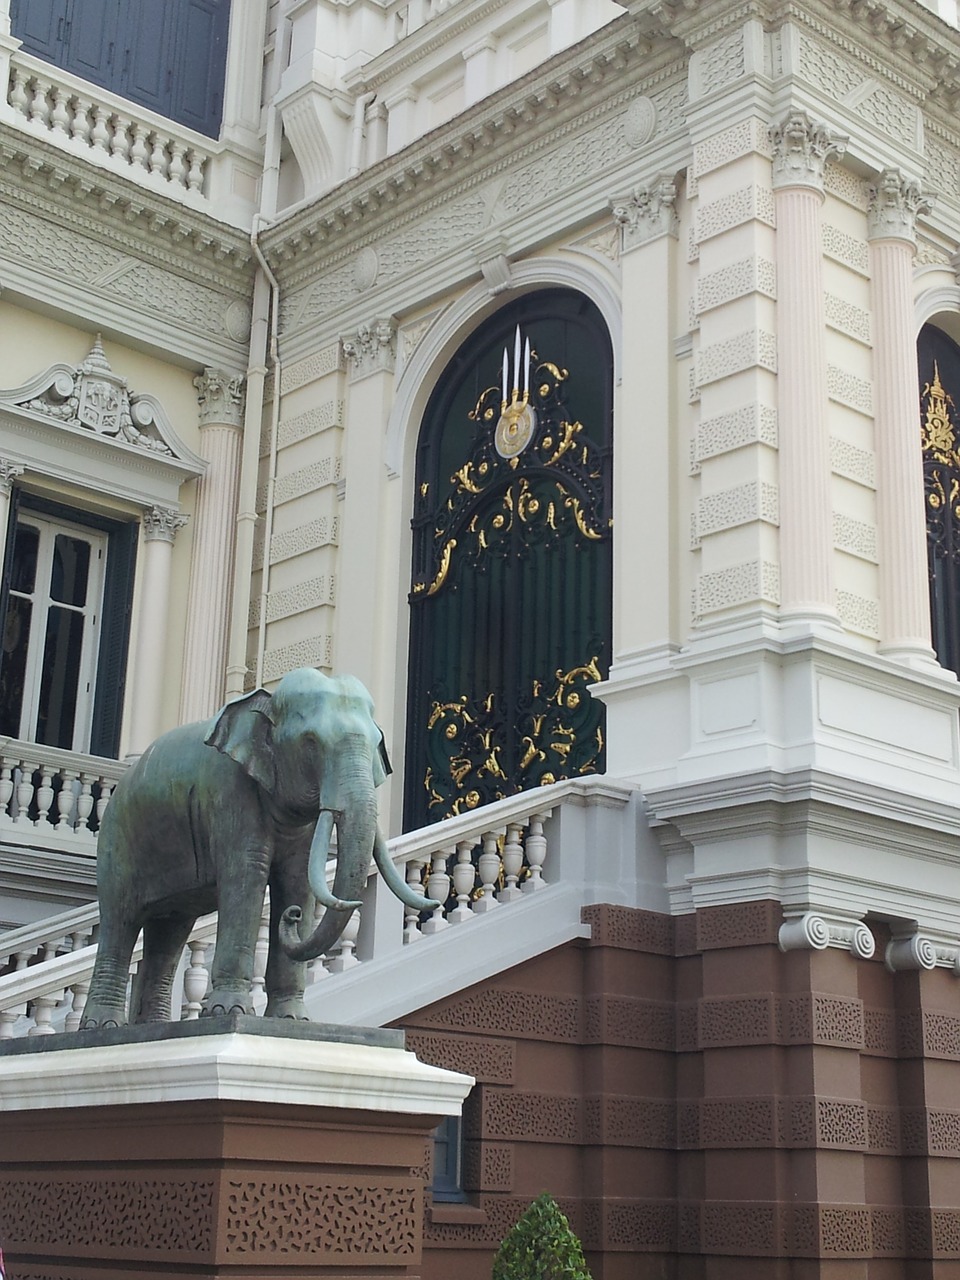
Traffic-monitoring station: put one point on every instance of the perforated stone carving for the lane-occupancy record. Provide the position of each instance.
(148, 1215)
(880, 1032)
(507, 1012)
(941, 1035)
(488, 1061)
(322, 532)
(883, 1130)
(846, 388)
(310, 594)
(294, 376)
(844, 1232)
(847, 318)
(304, 425)
(314, 651)
(752, 424)
(630, 928)
(740, 1020)
(741, 139)
(737, 1122)
(744, 924)
(488, 1166)
(837, 1020)
(641, 1224)
(846, 249)
(745, 205)
(720, 64)
(524, 1116)
(755, 500)
(886, 1232)
(642, 1024)
(755, 348)
(828, 69)
(748, 581)
(840, 182)
(627, 1121)
(841, 1124)
(739, 279)
(857, 464)
(856, 537)
(307, 1217)
(728, 1227)
(305, 480)
(859, 614)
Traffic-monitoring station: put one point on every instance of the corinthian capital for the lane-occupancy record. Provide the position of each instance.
(9, 471)
(372, 349)
(162, 524)
(221, 397)
(801, 149)
(895, 203)
(648, 212)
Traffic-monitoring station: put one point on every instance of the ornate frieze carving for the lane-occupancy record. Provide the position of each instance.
(162, 524)
(94, 398)
(220, 396)
(801, 148)
(9, 472)
(648, 212)
(895, 202)
(372, 349)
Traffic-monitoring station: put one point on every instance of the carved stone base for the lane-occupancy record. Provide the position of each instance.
(181, 1158)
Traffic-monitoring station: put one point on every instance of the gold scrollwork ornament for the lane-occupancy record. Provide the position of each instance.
(515, 428)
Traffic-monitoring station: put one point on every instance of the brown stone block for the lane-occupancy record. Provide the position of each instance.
(742, 924)
(741, 971)
(623, 1069)
(752, 1070)
(881, 1180)
(742, 1175)
(630, 928)
(544, 1066)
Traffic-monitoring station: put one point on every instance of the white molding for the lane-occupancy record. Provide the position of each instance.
(453, 325)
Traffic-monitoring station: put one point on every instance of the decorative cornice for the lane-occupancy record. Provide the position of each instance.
(9, 472)
(895, 203)
(221, 398)
(801, 149)
(162, 524)
(372, 349)
(648, 212)
(148, 225)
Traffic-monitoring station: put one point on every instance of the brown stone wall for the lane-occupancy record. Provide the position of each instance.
(203, 1189)
(706, 1107)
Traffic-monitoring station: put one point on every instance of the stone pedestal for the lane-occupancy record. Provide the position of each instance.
(223, 1150)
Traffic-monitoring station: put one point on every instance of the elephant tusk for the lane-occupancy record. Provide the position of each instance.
(319, 849)
(395, 882)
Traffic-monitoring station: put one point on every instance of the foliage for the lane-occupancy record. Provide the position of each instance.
(541, 1247)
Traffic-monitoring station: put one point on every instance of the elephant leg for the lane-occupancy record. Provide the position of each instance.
(240, 893)
(107, 1003)
(164, 938)
(285, 978)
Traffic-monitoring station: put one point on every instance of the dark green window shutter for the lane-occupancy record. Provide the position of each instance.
(114, 640)
(90, 40)
(199, 65)
(40, 25)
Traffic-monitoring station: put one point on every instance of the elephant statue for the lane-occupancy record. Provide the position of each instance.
(210, 815)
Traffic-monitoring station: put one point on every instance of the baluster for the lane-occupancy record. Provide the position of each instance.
(195, 172)
(106, 788)
(80, 122)
(80, 992)
(43, 1007)
(512, 863)
(9, 1018)
(24, 791)
(6, 787)
(23, 959)
(438, 887)
(488, 866)
(18, 98)
(138, 151)
(317, 969)
(261, 949)
(346, 957)
(60, 116)
(536, 852)
(66, 799)
(38, 104)
(99, 133)
(44, 796)
(120, 142)
(464, 877)
(158, 155)
(195, 981)
(85, 802)
(411, 916)
(177, 155)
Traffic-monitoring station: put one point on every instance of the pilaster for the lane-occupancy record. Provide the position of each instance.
(160, 528)
(895, 203)
(208, 605)
(9, 472)
(801, 148)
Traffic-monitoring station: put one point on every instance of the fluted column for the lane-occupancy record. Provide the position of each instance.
(904, 601)
(160, 528)
(211, 571)
(9, 472)
(801, 149)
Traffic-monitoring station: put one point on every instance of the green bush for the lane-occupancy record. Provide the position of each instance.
(541, 1247)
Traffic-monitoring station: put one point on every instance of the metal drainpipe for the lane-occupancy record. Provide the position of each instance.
(272, 464)
(263, 338)
(356, 133)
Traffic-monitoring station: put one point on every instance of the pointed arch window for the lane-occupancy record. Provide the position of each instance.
(939, 368)
(512, 572)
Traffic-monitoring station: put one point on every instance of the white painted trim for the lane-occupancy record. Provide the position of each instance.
(934, 301)
(453, 325)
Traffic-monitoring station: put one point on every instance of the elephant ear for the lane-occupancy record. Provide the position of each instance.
(382, 768)
(243, 730)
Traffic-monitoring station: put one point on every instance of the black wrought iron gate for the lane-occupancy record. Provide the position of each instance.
(511, 591)
(939, 364)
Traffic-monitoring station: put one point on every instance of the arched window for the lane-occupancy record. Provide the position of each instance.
(939, 364)
(511, 584)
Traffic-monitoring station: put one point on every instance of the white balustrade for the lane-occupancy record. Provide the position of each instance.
(52, 798)
(119, 134)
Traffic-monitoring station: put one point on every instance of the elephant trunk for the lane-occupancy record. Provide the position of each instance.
(358, 840)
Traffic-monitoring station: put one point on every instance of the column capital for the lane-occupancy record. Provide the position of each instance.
(162, 524)
(220, 396)
(9, 471)
(801, 148)
(895, 202)
(648, 212)
(372, 349)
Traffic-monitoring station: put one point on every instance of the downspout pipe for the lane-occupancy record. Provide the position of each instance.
(356, 133)
(272, 464)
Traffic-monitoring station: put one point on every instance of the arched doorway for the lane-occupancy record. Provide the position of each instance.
(512, 575)
(938, 358)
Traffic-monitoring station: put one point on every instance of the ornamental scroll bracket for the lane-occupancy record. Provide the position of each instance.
(91, 397)
(814, 931)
